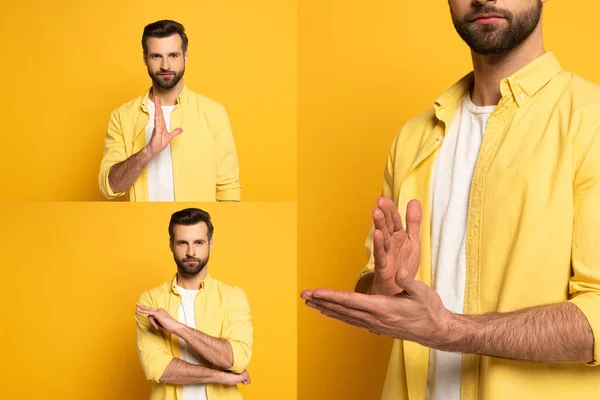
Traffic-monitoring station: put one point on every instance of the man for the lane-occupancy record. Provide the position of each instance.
(500, 185)
(170, 144)
(194, 333)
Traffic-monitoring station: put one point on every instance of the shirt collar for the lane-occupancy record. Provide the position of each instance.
(522, 85)
(206, 282)
(181, 99)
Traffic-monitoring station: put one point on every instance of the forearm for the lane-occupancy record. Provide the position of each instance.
(216, 351)
(551, 333)
(122, 175)
(179, 372)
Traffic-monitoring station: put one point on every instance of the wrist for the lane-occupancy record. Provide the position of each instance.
(147, 153)
(453, 332)
(181, 330)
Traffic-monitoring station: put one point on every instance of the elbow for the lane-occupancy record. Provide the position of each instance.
(105, 186)
(241, 355)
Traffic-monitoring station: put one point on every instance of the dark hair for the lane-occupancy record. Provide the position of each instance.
(190, 216)
(163, 29)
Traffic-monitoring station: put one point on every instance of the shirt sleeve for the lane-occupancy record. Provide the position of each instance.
(387, 190)
(584, 285)
(151, 344)
(114, 153)
(238, 332)
(228, 171)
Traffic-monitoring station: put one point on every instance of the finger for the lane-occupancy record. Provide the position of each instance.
(159, 117)
(153, 322)
(414, 215)
(384, 205)
(357, 301)
(306, 294)
(145, 311)
(175, 133)
(379, 250)
(343, 318)
(326, 308)
(388, 207)
(379, 222)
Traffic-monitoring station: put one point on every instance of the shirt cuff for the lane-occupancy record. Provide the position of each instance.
(240, 357)
(589, 304)
(229, 194)
(105, 188)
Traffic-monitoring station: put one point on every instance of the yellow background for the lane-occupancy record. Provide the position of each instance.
(73, 273)
(68, 64)
(364, 69)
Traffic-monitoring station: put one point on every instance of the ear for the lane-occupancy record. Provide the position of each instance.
(171, 245)
(210, 245)
(185, 57)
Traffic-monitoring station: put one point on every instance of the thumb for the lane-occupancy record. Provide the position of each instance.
(405, 281)
(176, 132)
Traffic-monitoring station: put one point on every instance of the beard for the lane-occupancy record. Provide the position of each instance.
(191, 269)
(166, 84)
(493, 39)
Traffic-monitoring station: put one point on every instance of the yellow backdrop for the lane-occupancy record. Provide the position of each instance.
(73, 273)
(69, 63)
(364, 69)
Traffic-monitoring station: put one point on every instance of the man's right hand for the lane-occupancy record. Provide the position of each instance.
(394, 248)
(231, 379)
(161, 137)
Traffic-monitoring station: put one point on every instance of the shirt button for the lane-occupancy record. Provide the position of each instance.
(439, 138)
(522, 96)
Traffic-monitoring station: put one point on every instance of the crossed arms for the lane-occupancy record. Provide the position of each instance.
(228, 356)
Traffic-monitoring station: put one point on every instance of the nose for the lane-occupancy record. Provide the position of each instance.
(164, 64)
(483, 2)
(191, 251)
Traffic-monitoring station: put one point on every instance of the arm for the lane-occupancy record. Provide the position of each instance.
(179, 372)
(228, 171)
(231, 352)
(124, 174)
(117, 172)
(550, 333)
(216, 351)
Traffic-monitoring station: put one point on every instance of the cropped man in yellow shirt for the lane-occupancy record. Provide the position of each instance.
(194, 333)
(529, 240)
(170, 144)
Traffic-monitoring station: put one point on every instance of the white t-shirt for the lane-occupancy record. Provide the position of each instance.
(451, 185)
(160, 168)
(187, 317)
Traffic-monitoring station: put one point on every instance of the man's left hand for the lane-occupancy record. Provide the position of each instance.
(160, 319)
(417, 314)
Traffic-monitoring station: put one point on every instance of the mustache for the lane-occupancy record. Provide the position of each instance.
(488, 10)
(191, 259)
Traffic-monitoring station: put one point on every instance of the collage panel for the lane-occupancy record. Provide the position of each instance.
(79, 101)
(86, 278)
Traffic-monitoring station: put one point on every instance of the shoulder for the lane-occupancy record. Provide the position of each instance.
(129, 107)
(229, 292)
(204, 103)
(155, 296)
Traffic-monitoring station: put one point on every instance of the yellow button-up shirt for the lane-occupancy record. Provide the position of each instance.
(533, 226)
(221, 311)
(205, 164)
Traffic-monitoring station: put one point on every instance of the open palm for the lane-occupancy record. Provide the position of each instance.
(397, 251)
(161, 137)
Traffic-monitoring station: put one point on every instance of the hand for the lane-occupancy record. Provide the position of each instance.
(417, 314)
(233, 379)
(160, 319)
(395, 250)
(161, 137)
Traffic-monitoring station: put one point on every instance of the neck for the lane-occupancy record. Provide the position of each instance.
(167, 97)
(489, 70)
(192, 282)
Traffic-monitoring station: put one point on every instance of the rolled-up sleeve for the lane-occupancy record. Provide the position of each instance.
(114, 153)
(228, 171)
(238, 332)
(584, 286)
(151, 344)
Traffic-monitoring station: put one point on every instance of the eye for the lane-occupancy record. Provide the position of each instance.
(174, 55)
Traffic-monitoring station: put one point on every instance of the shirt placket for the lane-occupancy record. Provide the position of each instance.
(494, 131)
